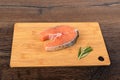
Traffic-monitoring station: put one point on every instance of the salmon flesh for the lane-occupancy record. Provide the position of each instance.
(60, 37)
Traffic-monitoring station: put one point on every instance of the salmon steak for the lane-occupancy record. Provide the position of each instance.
(59, 37)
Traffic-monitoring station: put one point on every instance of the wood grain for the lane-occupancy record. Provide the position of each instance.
(28, 50)
(106, 12)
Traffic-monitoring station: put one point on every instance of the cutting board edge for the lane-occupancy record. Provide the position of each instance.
(15, 25)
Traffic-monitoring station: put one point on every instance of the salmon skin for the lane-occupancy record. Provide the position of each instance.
(60, 37)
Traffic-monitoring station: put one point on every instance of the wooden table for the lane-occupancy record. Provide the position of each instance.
(107, 13)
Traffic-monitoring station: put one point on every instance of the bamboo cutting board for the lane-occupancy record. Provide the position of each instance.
(28, 50)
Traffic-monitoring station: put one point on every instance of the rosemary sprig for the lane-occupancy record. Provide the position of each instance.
(84, 52)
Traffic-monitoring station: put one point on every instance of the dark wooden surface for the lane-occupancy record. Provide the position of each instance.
(106, 12)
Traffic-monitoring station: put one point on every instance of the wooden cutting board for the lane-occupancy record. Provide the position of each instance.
(28, 50)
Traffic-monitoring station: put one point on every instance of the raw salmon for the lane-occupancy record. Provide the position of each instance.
(60, 37)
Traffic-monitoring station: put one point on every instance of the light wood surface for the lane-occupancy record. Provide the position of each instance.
(28, 50)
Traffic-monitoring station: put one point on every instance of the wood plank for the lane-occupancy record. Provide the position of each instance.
(46, 3)
(56, 14)
(74, 11)
(6, 33)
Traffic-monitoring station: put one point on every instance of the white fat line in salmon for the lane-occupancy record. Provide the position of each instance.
(54, 36)
(65, 45)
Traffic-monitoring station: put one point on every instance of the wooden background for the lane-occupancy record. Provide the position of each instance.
(106, 12)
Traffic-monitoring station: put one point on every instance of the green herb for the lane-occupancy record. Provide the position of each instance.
(84, 52)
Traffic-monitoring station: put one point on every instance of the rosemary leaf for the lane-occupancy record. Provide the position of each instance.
(79, 52)
(84, 52)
